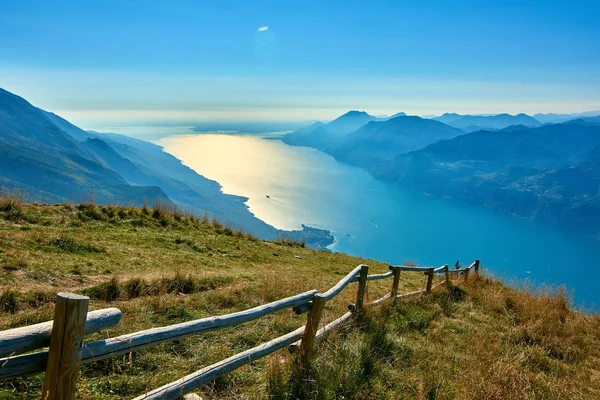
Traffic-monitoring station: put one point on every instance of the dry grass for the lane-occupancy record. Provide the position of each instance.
(483, 341)
(157, 273)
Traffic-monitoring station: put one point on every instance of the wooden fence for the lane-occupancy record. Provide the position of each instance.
(64, 335)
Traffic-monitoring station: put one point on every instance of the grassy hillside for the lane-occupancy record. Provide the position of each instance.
(483, 340)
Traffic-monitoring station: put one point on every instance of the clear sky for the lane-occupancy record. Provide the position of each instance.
(97, 62)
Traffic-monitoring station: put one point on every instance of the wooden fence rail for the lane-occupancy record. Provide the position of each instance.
(71, 322)
(33, 337)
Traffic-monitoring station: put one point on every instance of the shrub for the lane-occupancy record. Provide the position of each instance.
(179, 284)
(107, 291)
(135, 287)
(90, 212)
(9, 301)
(11, 206)
(159, 208)
(35, 298)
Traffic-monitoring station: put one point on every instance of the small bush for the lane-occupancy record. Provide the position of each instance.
(135, 287)
(9, 301)
(159, 209)
(12, 209)
(164, 221)
(109, 211)
(7, 204)
(35, 298)
(107, 291)
(179, 284)
(90, 212)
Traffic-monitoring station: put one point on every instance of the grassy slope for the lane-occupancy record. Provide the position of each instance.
(487, 342)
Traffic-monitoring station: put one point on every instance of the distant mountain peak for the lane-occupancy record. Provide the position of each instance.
(398, 114)
(355, 113)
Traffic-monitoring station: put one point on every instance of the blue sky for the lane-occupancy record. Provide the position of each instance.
(103, 62)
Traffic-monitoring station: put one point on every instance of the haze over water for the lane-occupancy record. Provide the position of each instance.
(373, 219)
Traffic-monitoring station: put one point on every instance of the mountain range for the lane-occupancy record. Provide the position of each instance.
(470, 123)
(549, 173)
(50, 160)
(552, 118)
(516, 164)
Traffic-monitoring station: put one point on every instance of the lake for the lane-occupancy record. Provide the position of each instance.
(288, 186)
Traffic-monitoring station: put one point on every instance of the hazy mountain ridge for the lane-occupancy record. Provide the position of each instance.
(549, 174)
(39, 158)
(381, 140)
(552, 118)
(51, 160)
(470, 123)
(546, 173)
(359, 138)
(326, 136)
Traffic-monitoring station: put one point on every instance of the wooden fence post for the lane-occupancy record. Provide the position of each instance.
(429, 279)
(64, 355)
(476, 267)
(312, 325)
(447, 274)
(467, 275)
(395, 282)
(362, 287)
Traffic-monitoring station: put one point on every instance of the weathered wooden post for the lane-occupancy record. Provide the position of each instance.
(476, 267)
(362, 287)
(64, 355)
(312, 325)
(395, 282)
(447, 275)
(429, 274)
(467, 275)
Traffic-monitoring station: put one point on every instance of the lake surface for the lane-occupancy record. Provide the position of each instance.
(373, 219)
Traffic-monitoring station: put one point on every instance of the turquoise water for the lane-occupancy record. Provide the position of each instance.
(373, 219)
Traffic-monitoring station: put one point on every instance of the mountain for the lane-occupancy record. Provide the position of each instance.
(378, 141)
(471, 123)
(549, 174)
(45, 163)
(51, 160)
(585, 121)
(322, 136)
(399, 114)
(559, 118)
(349, 122)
